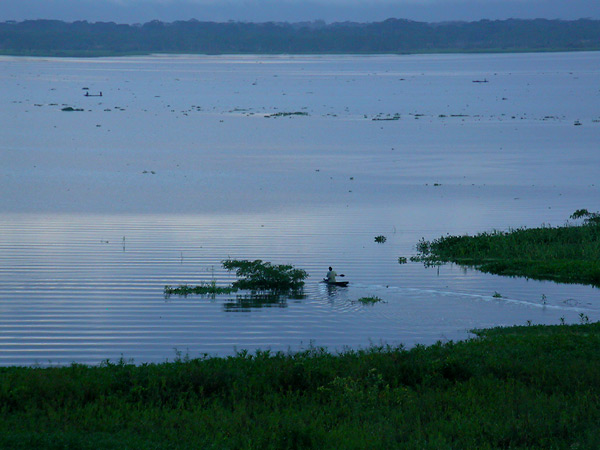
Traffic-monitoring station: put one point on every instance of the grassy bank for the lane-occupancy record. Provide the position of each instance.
(567, 254)
(531, 387)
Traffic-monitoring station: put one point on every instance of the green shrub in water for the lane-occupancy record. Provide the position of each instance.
(263, 276)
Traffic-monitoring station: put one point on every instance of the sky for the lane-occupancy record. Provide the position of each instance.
(140, 11)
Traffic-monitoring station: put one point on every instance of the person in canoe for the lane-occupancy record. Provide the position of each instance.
(331, 280)
(331, 277)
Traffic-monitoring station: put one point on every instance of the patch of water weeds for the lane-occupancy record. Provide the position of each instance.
(286, 114)
(255, 276)
(210, 289)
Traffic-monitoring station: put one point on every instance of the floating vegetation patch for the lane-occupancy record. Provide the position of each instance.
(402, 260)
(263, 276)
(255, 276)
(387, 117)
(70, 109)
(202, 289)
(287, 114)
(380, 239)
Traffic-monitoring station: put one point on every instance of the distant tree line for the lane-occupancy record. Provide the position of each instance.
(50, 37)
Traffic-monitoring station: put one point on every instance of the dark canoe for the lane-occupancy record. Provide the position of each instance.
(336, 283)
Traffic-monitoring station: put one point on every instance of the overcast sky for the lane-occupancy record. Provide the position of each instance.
(139, 11)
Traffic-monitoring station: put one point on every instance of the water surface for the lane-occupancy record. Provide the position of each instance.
(184, 162)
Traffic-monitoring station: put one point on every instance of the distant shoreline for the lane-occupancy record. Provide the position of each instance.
(393, 36)
(62, 54)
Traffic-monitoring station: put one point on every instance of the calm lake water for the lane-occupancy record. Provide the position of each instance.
(185, 161)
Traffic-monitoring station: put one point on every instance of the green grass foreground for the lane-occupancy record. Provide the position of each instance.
(535, 387)
(567, 254)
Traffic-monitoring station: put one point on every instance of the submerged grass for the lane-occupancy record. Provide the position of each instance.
(202, 289)
(535, 387)
(568, 254)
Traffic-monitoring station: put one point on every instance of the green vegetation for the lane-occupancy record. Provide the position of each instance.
(534, 387)
(589, 218)
(380, 239)
(203, 289)
(402, 260)
(256, 276)
(264, 276)
(81, 38)
(566, 254)
(380, 117)
(369, 300)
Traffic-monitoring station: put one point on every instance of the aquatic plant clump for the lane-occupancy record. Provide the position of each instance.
(263, 276)
(287, 114)
(380, 239)
(202, 289)
(256, 276)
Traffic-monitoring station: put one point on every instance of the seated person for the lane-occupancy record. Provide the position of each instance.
(331, 275)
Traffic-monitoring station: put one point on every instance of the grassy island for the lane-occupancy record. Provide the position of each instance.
(566, 254)
(530, 387)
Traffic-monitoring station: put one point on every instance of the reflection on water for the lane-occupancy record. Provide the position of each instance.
(263, 300)
(246, 302)
(160, 181)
